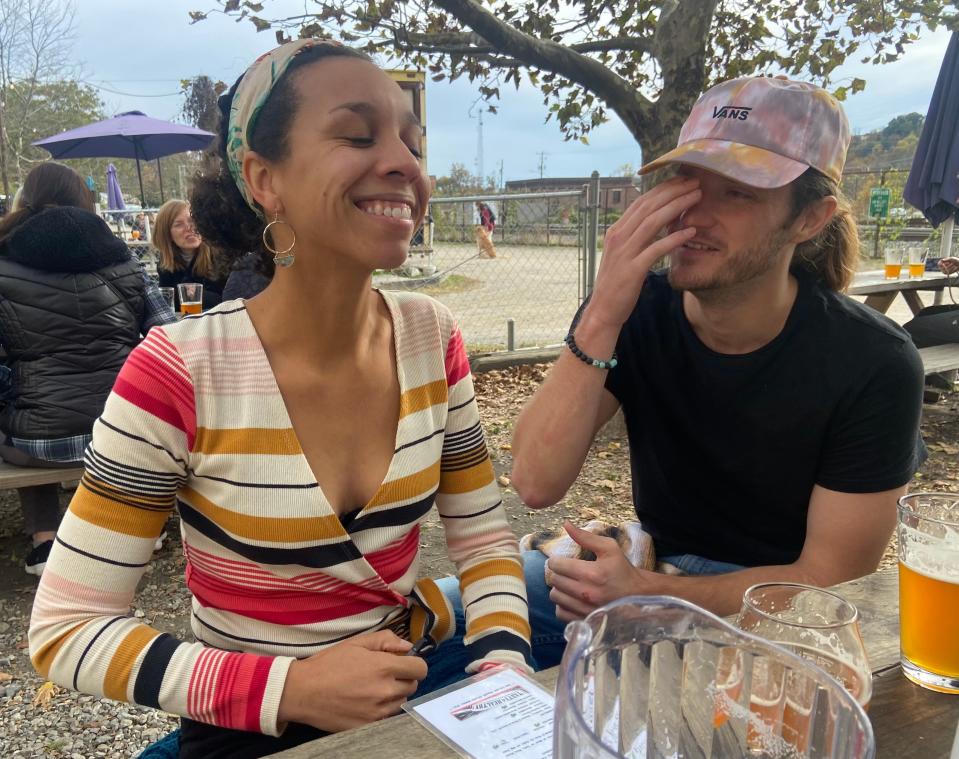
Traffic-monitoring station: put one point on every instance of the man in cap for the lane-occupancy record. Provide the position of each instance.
(772, 421)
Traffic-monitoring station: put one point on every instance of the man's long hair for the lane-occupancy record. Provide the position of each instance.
(832, 255)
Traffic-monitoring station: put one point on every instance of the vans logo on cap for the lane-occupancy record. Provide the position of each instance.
(731, 112)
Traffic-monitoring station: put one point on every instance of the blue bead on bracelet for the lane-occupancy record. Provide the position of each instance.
(575, 350)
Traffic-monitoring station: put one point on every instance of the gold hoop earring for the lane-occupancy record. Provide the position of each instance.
(282, 258)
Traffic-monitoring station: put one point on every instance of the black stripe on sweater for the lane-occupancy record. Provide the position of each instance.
(500, 641)
(392, 517)
(315, 557)
(146, 689)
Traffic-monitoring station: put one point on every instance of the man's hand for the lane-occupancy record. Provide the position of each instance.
(949, 265)
(581, 586)
(360, 680)
(633, 244)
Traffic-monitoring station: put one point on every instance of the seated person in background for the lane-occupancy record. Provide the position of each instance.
(139, 225)
(73, 304)
(303, 437)
(184, 256)
(249, 276)
(773, 422)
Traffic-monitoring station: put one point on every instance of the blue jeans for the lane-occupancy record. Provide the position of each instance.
(548, 640)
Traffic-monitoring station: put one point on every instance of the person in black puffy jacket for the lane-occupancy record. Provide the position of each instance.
(73, 304)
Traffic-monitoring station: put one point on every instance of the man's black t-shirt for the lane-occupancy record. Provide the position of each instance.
(726, 449)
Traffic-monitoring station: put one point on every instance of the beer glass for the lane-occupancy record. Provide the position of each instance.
(657, 677)
(191, 297)
(893, 262)
(917, 262)
(168, 296)
(815, 624)
(929, 589)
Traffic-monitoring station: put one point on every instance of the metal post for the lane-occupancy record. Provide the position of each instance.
(875, 247)
(592, 232)
(945, 246)
(510, 335)
(547, 220)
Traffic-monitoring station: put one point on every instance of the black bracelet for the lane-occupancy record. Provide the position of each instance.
(575, 350)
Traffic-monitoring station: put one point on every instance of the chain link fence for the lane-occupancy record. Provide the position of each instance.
(903, 225)
(523, 288)
(545, 249)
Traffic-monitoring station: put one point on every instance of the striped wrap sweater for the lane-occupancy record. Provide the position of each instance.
(196, 422)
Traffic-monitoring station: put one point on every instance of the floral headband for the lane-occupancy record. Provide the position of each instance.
(248, 100)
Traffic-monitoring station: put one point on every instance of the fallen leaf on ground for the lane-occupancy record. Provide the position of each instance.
(5, 677)
(503, 480)
(608, 484)
(45, 694)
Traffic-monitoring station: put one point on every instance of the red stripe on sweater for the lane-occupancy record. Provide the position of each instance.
(392, 562)
(288, 608)
(457, 364)
(153, 386)
(254, 705)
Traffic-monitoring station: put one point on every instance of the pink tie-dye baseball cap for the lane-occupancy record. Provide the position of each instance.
(763, 132)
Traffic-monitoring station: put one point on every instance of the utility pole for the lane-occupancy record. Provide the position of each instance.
(501, 173)
(542, 164)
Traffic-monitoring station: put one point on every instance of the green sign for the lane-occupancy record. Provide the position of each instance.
(879, 202)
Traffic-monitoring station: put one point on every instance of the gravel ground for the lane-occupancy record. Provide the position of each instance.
(39, 721)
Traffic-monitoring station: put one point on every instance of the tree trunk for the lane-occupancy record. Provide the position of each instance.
(659, 144)
(3, 153)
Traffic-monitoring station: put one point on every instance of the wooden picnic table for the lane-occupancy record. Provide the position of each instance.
(909, 721)
(881, 292)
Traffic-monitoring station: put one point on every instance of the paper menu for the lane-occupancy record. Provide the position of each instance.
(500, 714)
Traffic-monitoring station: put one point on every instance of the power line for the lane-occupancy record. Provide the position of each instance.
(130, 94)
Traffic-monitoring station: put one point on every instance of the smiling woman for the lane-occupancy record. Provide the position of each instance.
(302, 435)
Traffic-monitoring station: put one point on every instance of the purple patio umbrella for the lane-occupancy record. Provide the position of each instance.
(114, 196)
(933, 184)
(128, 135)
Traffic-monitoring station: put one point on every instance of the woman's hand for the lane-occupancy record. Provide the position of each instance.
(631, 247)
(353, 683)
(949, 265)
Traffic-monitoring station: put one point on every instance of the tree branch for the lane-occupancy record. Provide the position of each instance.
(633, 108)
(467, 43)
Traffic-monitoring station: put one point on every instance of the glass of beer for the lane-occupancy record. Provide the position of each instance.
(816, 624)
(893, 261)
(168, 296)
(929, 589)
(917, 262)
(191, 297)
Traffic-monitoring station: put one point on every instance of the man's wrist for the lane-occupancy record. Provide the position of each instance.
(595, 336)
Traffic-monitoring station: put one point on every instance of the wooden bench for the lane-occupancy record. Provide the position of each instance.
(940, 358)
(23, 476)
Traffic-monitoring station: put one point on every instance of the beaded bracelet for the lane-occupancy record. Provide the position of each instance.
(575, 350)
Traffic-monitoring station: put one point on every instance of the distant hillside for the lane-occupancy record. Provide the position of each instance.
(890, 147)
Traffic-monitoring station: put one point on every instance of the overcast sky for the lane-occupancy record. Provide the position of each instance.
(136, 53)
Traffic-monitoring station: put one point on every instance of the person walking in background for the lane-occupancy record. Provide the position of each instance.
(484, 230)
(184, 256)
(303, 436)
(73, 304)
